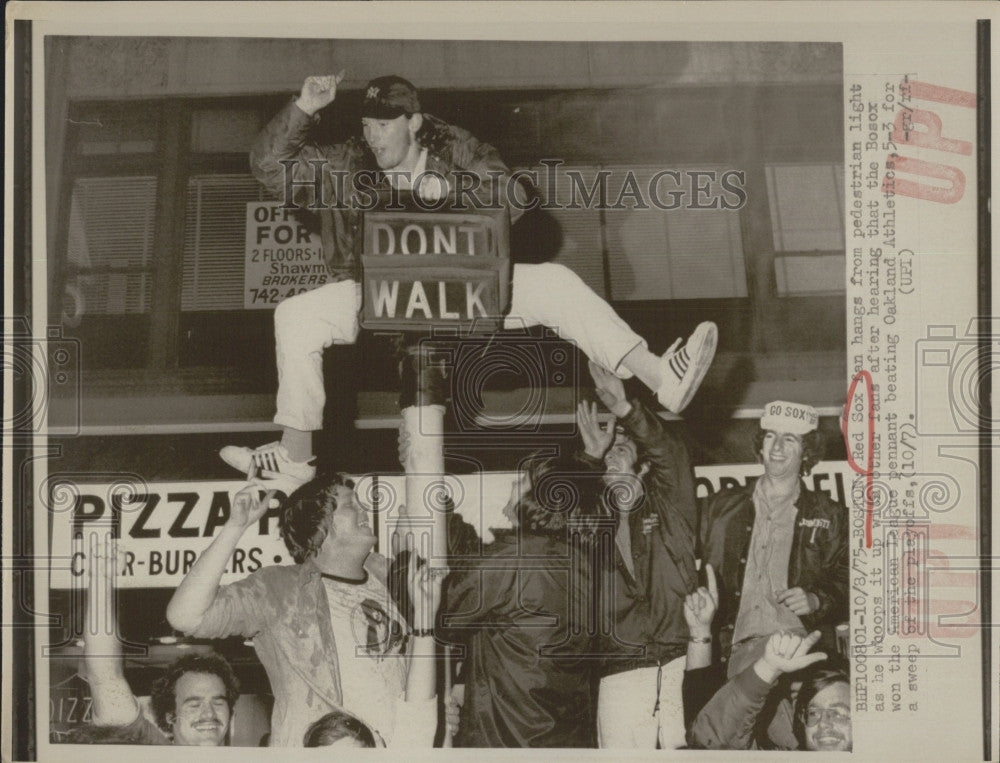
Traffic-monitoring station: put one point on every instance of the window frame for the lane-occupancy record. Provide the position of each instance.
(174, 163)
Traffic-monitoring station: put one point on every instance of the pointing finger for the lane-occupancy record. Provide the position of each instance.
(713, 586)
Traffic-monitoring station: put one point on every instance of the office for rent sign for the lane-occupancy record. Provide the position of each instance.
(284, 257)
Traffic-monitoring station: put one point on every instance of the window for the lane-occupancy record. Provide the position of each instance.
(571, 237)
(807, 221)
(682, 253)
(109, 246)
(224, 131)
(215, 241)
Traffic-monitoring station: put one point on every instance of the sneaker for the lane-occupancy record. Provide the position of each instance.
(272, 462)
(683, 369)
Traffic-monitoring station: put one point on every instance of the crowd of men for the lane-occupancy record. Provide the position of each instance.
(619, 612)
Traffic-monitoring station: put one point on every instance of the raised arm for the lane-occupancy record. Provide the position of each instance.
(659, 447)
(425, 593)
(286, 139)
(699, 610)
(114, 703)
(197, 592)
(610, 390)
(728, 721)
(670, 473)
(587, 466)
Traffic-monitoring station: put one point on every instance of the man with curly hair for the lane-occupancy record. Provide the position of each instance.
(646, 638)
(779, 550)
(192, 702)
(326, 629)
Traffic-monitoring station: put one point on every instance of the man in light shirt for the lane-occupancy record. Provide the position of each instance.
(325, 629)
(779, 550)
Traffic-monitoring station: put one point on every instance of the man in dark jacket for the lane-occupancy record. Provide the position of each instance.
(650, 491)
(754, 711)
(520, 609)
(779, 550)
(406, 149)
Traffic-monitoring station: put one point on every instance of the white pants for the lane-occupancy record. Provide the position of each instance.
(625, 702)
(541, 295)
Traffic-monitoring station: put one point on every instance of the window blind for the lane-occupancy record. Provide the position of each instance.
(109, 247)
(215, 241)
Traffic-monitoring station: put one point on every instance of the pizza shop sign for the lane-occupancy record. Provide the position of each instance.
(161, 529)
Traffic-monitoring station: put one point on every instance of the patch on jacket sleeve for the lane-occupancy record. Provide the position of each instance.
(815, 524)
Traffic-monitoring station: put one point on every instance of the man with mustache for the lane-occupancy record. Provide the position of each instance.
(192, 702)
(649, 490)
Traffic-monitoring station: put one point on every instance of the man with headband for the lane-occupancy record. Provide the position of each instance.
(779, 550)
(407, 149)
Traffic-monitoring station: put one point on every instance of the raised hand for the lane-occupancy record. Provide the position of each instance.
(786, 653)
(103, 666)
(453, 708)
(596, 440)
(318, 92)
(700, 606)
(609, 388)
(248, 507)
(425, 591)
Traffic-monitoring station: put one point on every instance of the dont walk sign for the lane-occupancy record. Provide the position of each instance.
(449, 267)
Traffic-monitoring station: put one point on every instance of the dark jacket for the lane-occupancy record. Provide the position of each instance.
(519, 609)
(286, 138)
(647, 603)
(526, 678)
(698, 687)
(747, 713)
(818, 562)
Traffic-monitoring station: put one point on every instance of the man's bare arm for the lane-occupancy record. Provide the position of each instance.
(114, 703)
(425, 593)
(197, 592)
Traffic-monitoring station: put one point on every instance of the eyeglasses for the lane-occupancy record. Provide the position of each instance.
(834, 714)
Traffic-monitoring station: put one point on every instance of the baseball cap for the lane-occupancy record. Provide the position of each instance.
(390, 97)
(794, 418)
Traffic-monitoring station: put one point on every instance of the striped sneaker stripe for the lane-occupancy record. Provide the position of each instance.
(679, 363)
(266, 460)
